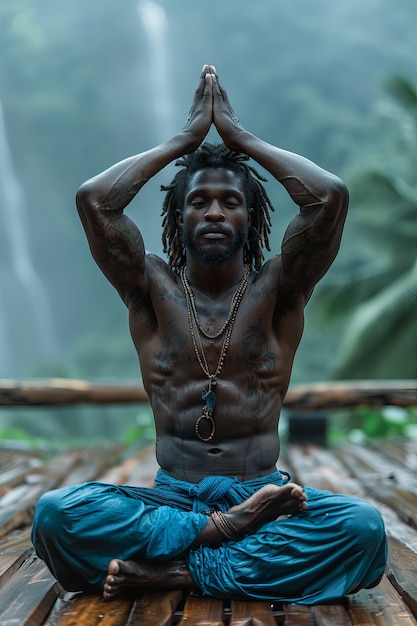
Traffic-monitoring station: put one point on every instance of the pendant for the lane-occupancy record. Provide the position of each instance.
(209, 398)
(211, 424)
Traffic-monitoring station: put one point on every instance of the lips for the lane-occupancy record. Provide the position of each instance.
(214, 233)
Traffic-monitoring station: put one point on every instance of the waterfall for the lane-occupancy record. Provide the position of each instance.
(23, 299)
(155, 24)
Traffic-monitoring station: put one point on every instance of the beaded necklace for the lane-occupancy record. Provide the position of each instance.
(208, 394)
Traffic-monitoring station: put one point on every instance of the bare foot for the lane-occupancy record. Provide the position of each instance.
(125, 576)
(267, 505)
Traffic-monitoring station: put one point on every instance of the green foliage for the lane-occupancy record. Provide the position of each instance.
(387, 422)
(377, 287)
(143, 431)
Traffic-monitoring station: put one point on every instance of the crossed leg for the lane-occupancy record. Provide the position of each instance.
(264, 506)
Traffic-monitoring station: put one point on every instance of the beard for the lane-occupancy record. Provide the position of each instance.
(213, 254)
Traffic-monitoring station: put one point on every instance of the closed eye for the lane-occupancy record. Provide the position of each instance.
(231, 204)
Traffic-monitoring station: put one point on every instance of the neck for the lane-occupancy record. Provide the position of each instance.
(215, 280)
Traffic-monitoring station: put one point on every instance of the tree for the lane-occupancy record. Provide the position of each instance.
(377, 290)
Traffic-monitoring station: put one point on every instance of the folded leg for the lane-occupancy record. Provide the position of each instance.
(335, 547)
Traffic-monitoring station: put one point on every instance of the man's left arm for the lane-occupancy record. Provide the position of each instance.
(313, 236)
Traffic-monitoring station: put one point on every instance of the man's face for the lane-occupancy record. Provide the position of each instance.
(215, 220)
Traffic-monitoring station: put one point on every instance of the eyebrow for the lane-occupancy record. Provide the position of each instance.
(201, 190)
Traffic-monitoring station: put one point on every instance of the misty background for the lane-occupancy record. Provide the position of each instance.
(84, 84)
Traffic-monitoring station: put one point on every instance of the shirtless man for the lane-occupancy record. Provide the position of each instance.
(216, 331)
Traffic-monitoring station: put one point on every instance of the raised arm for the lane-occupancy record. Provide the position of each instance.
(115, 241)
(313, 236)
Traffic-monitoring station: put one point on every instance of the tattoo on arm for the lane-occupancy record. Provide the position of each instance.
(121, 193)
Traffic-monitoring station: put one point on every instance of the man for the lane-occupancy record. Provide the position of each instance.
(216, 331)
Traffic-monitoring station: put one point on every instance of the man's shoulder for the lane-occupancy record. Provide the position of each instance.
(270, 271)
(156, 266)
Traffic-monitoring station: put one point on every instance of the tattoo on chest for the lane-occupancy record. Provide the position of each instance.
(255, 348)
(172, 351)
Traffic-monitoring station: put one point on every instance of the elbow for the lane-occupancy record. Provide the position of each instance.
(339, 194)
(85, 198)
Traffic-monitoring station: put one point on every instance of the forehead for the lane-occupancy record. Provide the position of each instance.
(212, 178)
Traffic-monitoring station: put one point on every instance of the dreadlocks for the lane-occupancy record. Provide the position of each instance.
(210, 155)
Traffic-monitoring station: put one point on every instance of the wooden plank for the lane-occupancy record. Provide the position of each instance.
(137, 470)
(333, 395)
(298, 615)
(252, 614)
(90, 610)
(383, 478)
(14, 469)
(28, 597)
(402, 572)
(17, 511)
(402, 451)
(14, 551)
(91, 464)
(328, 395)
(156, 609)
(381, 606)
(202, 611)
(65, 391)
(331, 615)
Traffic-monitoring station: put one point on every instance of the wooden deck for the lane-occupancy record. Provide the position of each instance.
(382, 472)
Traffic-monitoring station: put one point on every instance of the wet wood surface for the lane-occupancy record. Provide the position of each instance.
(382, 472)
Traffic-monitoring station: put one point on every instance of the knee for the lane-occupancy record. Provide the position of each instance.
(48, 514)
(366, 523)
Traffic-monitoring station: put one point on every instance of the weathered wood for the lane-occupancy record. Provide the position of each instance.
(381, 606)
(402, 572)
(14, 550)
(90, 610)
(202, 611)
(387, 480)
(17, 504)
(318, 615)
(330, 615)
(155, 609)
(302, 397)
(333, 395)
(297, 615)
(65, 391)
(29, 594)
(14, 469)
(28, 597)
(252, 614)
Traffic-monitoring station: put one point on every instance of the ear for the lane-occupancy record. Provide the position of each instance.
(250, 215)
(178, 217)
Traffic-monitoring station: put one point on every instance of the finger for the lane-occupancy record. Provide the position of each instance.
(201, 85)
(208, 87)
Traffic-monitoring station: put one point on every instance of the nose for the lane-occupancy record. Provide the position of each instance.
(214, 212)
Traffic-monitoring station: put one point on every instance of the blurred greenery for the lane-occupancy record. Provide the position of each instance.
(81, 86)
(389, 422)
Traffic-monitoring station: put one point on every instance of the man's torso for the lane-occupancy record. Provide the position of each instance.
(249, 389)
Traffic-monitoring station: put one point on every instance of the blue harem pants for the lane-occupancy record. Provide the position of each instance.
(336, 547)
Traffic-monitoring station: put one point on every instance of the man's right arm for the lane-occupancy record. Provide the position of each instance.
(115, 241)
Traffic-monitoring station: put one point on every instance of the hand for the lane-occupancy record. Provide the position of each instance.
(200, 117)
(224, 118)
